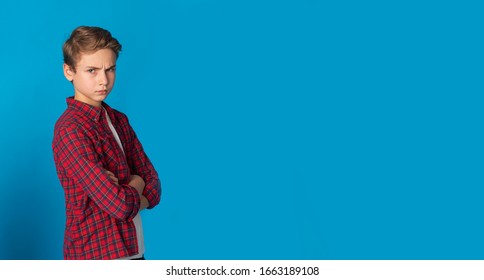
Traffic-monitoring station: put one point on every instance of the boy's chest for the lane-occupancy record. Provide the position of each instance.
(109, 152)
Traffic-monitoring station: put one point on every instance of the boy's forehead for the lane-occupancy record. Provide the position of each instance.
(103, 57)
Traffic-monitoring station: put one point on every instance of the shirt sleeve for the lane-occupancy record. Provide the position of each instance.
(77, 156)
(141, 165)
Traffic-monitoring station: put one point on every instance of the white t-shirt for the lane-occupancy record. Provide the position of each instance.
(137, 218)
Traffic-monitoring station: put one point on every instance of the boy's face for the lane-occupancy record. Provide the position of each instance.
(94, 76)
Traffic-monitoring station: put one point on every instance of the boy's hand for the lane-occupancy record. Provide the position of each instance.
(112, 177)
(144, 203)
(137, 182)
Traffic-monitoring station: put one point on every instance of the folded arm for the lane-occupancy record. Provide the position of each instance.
(141, 165)
(76, 154)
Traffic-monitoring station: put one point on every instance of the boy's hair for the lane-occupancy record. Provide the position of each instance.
(88, 39)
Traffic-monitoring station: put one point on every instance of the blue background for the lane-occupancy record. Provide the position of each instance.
(280, 129)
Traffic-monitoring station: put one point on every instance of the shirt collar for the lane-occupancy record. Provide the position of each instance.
(89, 111)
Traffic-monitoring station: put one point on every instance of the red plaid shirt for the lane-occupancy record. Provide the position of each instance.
(99, 213)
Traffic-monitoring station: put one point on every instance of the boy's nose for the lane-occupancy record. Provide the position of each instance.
(103, 79)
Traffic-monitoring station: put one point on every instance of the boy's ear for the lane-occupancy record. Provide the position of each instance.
(68, 72)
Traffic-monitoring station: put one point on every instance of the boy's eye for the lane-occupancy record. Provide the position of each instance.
(91, 70)
(112, 70)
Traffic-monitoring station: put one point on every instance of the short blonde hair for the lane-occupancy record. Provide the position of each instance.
(88, 39)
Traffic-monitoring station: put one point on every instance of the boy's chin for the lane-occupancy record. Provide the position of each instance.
(102, 97)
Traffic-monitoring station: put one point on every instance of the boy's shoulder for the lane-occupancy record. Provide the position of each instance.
(70, 120)
(79, 116)
(74, 118)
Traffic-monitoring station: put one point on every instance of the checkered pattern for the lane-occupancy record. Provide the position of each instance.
(99, 212)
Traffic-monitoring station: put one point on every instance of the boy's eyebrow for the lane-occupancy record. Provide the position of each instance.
(94, 67)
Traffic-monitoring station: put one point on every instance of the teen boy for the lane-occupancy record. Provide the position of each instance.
(106, 176)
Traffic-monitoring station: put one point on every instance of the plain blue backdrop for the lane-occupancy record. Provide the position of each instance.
(296, 129)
